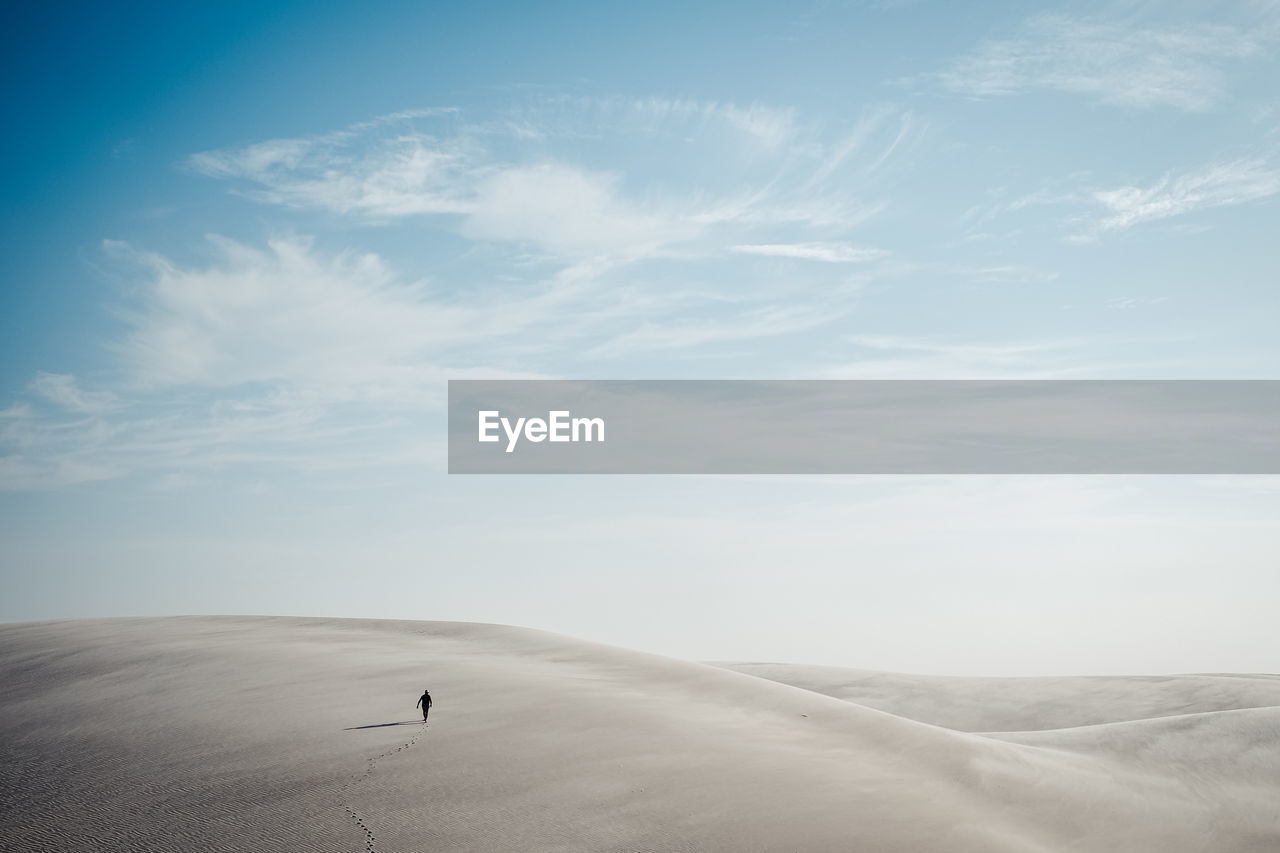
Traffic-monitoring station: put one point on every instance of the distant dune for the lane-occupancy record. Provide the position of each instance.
(275, 734)
(1026, 704)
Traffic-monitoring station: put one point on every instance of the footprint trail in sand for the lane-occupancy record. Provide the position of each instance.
(370, 765)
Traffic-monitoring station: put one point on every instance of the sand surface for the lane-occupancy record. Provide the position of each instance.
(1026, 704)
(276, 734)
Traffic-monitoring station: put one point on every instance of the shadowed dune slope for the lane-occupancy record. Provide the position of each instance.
(1025, 704)
(231, 733)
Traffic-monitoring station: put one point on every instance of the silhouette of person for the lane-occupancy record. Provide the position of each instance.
(425, 701)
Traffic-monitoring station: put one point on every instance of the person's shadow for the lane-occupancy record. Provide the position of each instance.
(384, 725)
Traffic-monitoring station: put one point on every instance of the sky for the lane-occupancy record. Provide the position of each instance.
(246, 245)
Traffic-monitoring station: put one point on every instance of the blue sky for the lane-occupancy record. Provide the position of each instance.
(246, 246)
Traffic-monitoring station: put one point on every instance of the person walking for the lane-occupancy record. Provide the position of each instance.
(425, 701)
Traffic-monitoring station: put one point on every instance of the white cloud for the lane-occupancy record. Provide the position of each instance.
(1217, 185)
(290, 357)
(772, 128)
(1002, 273)
(1095, 212)
(192, 433)
(864, 148)
(766, 126)
(1115, 63)
(295, 357)
(678, 168)
(260, 343)
(568, 212)
(326, 326)
(560, 209)
(854, 141)
(19, 474)
(1125, 303)
(833, 253)
(406, 174)
(63, 390)
(765, 322)
(899, 357)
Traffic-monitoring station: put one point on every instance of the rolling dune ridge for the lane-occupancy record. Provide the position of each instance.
(262, 733)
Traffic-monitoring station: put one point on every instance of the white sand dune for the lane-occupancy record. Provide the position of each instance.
(1025, 704)
(266, 734)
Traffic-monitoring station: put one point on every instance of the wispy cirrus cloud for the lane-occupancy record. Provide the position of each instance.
(406, 174)
(1095, 211)
(183, 438)
(754, 129)
(530, 175)
(748, 325)
(832, 253)
(278, 357)
(1215, 185)
(339, 327)
(560, 228)
(571, 213)
(910, 357)
(291, 357)
(557, 207)
(324, 326)
(64, 390)
(399, 170)
(1182, 67)
(17, 473)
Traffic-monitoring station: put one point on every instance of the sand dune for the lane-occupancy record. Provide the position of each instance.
(222, 733)
(1025, 704)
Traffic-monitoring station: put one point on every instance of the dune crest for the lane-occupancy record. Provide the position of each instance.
(1025, 704)
(233, 733)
